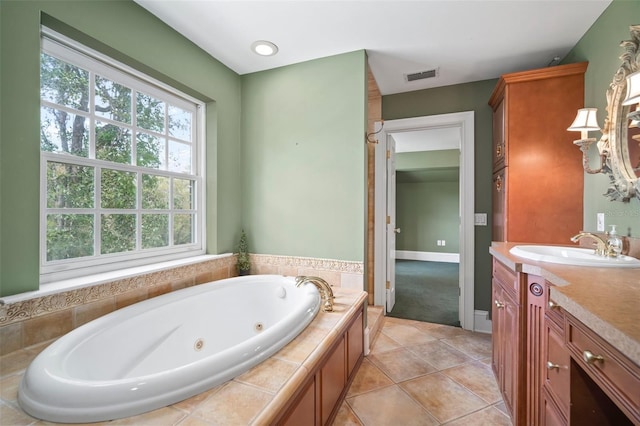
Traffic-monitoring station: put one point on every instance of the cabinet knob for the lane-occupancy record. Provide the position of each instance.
(551, 366)
(499, 305)
(590, 358)
(553, 305)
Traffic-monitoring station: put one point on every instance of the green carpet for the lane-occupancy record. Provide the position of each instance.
(427, 291)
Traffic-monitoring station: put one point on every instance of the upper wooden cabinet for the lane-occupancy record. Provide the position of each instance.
(538, 175)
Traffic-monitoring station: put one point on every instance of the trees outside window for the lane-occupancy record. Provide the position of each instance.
(119, 165)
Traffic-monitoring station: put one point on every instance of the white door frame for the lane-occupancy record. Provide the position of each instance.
(465, 122)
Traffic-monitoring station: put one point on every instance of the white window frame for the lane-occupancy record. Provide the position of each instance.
(70, 51)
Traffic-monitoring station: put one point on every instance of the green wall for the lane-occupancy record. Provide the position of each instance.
(123, 29)
(303, 158)
(601, 47)
(428, 200)
(443, 100)
(421, 160)
(427, 212)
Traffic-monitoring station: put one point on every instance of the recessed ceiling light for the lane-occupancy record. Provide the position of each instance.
(264, 48)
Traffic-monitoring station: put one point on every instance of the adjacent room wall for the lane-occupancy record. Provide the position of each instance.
(427, 212)
(303, 158)
(128, 31)
(601, 47)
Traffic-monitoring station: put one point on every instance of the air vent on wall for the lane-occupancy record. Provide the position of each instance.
(422, 75)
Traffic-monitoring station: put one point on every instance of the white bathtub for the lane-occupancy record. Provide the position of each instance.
(166, 349)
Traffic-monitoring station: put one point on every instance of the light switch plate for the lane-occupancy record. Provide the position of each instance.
(600, 222)
(480, 219)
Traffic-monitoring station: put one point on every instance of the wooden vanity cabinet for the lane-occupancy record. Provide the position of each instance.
(319, 399)
(540, 362)
(538, 174)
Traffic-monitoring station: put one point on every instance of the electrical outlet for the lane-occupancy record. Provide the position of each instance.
(600, 222)
(444, 243)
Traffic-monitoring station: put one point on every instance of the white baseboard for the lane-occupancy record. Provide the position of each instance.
(481, 322)
(428, 256)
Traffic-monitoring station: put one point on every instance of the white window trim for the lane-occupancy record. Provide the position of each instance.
(69, 50)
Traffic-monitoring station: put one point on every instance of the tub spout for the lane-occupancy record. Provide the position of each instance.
(602, 246)
(325, 290)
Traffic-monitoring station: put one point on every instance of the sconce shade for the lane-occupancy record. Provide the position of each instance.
(585, 120)
(633, 89)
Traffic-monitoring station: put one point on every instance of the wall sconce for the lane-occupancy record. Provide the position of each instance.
(584, 123)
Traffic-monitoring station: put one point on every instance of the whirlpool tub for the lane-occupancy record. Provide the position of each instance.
(166, 349)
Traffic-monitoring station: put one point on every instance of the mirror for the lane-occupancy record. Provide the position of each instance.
(621, 137)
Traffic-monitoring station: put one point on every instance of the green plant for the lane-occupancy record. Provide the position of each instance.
(243, 254)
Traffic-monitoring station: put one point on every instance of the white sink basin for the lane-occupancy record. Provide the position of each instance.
(573, 256)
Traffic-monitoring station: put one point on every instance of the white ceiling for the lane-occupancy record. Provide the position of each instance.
(466, 40)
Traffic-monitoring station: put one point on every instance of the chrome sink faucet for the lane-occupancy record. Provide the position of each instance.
(325, 290)
(602, 246)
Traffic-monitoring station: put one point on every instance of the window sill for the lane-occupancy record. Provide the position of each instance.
(105, 277)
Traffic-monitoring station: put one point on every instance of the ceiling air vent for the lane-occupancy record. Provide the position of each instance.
(422, 75)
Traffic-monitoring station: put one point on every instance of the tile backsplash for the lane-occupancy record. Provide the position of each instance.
(32, 321)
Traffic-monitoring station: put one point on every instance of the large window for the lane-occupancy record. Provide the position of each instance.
(121, 173)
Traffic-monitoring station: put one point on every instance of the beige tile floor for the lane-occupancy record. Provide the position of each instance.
(425, 374)
(416, 374)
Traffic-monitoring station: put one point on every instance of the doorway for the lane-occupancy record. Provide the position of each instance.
(427, 277)
(462, 124)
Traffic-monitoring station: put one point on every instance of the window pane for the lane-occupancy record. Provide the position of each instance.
(182, 229)
(183, 190)
(150, 151)
(69, 236)
(155, 230)
(149, 113)
(63, 83)
(180, 123)
(113, 143)
(69, 186)
(118, 189)
(118, 233)
(112, 100)
(63, 132)
(155, 192)
(179, 157)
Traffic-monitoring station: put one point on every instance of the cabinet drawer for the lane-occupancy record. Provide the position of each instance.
(554, 312)
(612, 371)
(507, 277)
(557, 367)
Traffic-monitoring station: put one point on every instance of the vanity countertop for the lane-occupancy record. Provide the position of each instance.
(606, 300)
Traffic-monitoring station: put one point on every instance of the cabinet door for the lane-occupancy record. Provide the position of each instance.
(550, 414)
(304, 412)
(499, 145)
(497, 325)
(505, 317)
(511, 339)
(355, 344)
(499, 202)
(333, 380)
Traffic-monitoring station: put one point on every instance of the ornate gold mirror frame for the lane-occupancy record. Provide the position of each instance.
(616, 139)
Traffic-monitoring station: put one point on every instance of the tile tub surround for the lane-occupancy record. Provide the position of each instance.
(35, 320)
(254, 397)
(604, 299)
